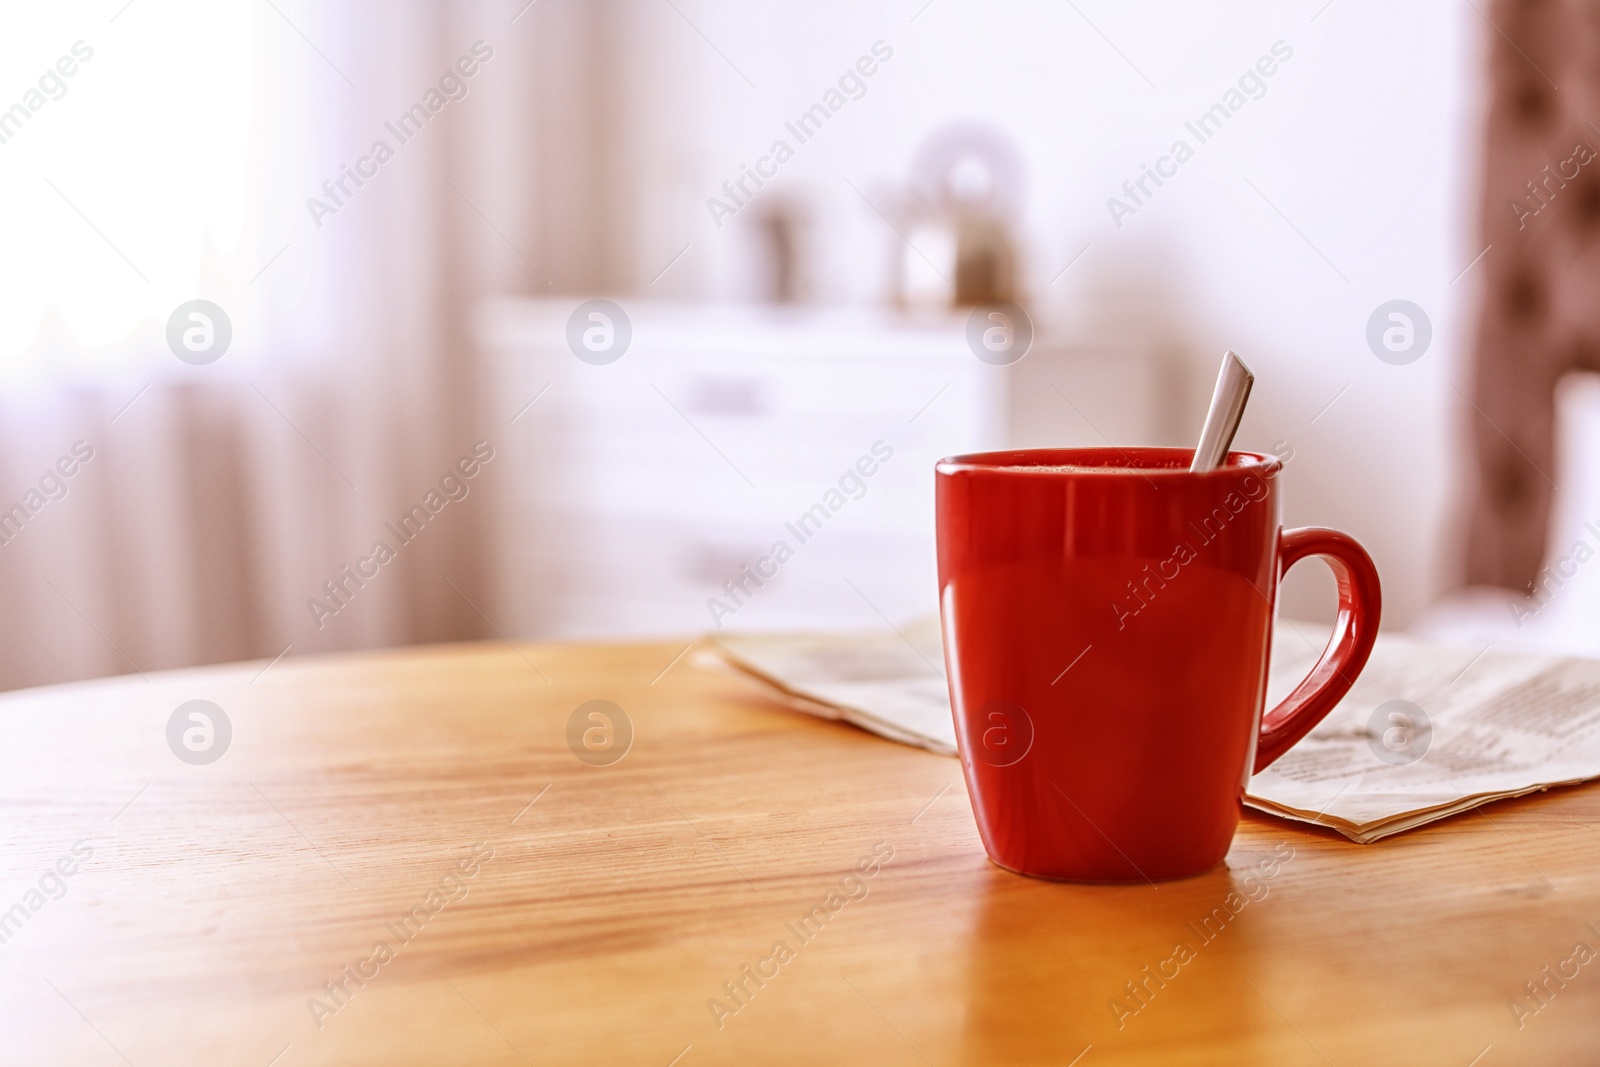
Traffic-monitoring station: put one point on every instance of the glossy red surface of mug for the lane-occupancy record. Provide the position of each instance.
(1107, 618)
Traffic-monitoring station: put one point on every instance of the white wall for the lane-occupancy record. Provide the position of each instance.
(1366, 141)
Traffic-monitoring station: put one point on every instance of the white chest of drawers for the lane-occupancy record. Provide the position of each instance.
(636, 496)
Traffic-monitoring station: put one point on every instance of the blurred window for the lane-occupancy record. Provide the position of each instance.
(123, 152)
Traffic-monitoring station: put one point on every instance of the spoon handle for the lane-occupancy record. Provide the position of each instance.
(1227, 408)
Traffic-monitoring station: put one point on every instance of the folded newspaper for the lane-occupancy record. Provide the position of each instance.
(1429, 729)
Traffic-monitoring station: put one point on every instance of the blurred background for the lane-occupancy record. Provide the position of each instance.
(553, 319)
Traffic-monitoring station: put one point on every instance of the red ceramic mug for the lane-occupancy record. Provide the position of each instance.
(1107, 617)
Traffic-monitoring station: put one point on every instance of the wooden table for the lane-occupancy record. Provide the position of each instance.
(218, 899)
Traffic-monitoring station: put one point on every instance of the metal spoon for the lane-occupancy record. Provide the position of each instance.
(1227, 408)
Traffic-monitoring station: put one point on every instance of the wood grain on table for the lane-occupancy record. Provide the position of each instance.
(418, 817)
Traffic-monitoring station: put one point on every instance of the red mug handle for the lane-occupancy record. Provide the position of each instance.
(1360, 603)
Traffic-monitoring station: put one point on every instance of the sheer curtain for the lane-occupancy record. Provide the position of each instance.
(209, 506)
